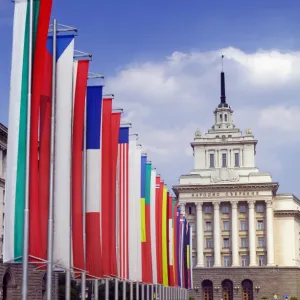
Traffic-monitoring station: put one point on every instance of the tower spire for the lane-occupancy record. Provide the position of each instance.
(223, 96)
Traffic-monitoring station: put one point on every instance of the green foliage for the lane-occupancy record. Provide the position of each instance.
(293, 298)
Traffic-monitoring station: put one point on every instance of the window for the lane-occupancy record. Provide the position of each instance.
(225, 117)
(260, 225)
(190, 210)
(221, 117)
(244, 260)
(225, 209)
(260, 208)
(209, 243)
(209, 261)
(207, 209)
(226, 261)
(211, 160)
(243, 208)
(261, 242)
(226, 242)
(226, 225)
(236, 159)
(261, 260)
(208, 226)
(244, 225)
(244, 243)
(224, 160)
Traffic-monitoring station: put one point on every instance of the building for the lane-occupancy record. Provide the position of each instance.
(11, 274)
(245, 234)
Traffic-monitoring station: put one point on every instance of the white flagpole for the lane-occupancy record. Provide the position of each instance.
(26, 202)
(51, 187)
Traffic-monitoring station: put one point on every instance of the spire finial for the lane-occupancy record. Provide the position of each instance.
(223, 96)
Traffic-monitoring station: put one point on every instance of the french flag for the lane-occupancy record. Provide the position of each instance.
(93, 205)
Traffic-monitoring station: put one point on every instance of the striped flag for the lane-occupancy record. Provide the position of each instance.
(115, 128)
(175, 252)
(159, 193)
(153, 218)
(164, 239)
(123, 174)
(170, 240)
(93, 205)
(17, 135)
(80, 76)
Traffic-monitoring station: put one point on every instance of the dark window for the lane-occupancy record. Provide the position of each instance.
(224, 160)
(211, 160)
(236, 159)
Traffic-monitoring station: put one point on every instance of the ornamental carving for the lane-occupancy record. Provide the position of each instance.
(251, 204)
(198, 133)
(269, 203)
(216, 205)
(234, 204)
(199, 205)
(224, 175)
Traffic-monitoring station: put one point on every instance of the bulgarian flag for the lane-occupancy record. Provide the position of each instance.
(17, 135)
(165, 238)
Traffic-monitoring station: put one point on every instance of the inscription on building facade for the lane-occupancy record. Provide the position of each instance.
(224, 194)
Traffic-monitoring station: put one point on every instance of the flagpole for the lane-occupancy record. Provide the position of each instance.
(51, 187)
(26, 202)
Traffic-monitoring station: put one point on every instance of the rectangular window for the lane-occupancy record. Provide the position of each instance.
(260, 208)
(207, 209)
(226, 242)
(261, 242)
(211, 160)
(224, 160)
(243, 208)
(208, 226)
(226, 261)
(225, 209)
(244, 225)
(226, 225)
(244, 260)
(260, 225)
(244, 242)
(209, 243)
(261, 260)
(209, 261)
(236, 159)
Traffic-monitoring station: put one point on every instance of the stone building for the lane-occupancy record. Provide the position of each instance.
(245, 234)
(11, 274)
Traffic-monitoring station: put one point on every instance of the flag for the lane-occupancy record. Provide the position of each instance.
(191, 257)
(17, 135)
(80, 76)
(153, 219)
(175, 248)
(93, 205)
(115, 128)
(146, 243)
(159, 198)
(123, 174)
(170, 240)
(164, 239)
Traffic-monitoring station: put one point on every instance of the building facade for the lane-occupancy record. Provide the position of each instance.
(245, 234)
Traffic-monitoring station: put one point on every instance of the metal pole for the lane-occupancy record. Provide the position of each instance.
(116, 289)
(83, 278)
(51, 183)
(124, 290)
(143, 291)
(131, 290)
(96, 289)
(106, 289)
(68, 285)
(152, 291)
(147, 291)
(137, 296)
(26, 202)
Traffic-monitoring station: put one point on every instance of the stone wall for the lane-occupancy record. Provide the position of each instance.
(36, 282)
(271, 281)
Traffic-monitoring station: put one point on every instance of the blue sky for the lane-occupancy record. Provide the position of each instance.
(139, 37)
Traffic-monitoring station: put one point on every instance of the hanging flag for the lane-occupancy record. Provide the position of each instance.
(178, 248)
(191, 257)
(93, 205)
(17, 135)
(115, 128)
(123, 174)
(164, 239)
(153, 218)
(170, 240)
(80, 76)
(175, 251)
(40, 123)
(146, 243)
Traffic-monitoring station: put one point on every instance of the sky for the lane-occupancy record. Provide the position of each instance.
(161, 59)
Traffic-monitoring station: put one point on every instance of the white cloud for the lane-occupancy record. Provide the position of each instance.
(167, 100)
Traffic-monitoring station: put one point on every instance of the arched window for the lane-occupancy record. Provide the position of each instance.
(247, 287)
(225, 117)
(7, 291)
(207, 287)
(221, 117)
(227, 289)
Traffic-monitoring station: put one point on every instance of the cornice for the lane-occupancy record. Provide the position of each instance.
(197, 188)
(222, 142)
(284, 213)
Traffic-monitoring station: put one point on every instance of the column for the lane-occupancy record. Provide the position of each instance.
(200, 257)
(270, 233)
(252, 234)
(242, 158)
(217, 235)
(234, 234)
(1, 162)
(182, 208)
